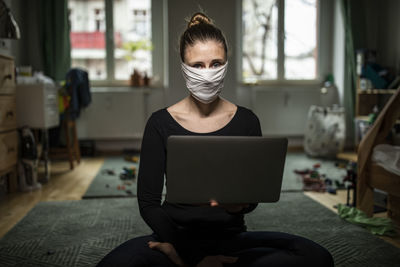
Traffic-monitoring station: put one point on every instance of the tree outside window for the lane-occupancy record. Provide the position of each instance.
(279, 40)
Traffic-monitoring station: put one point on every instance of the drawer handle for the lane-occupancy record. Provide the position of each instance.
(9, 114)
(10, 149)
(8, 76)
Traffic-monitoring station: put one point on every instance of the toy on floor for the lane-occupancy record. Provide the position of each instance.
(329, 186)
(121, 187)
(108, 172)
(128, 173)
(134, 159)
(312, 179)
(352, 178)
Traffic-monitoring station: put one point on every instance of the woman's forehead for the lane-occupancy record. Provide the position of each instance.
(206, 49)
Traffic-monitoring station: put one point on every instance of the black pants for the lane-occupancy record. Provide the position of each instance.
(252, 249)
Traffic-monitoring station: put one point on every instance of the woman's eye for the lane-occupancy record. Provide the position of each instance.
(198, 66)
(216, 64)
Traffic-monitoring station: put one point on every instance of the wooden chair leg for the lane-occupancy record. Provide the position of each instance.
(68, 143)
(76, 145)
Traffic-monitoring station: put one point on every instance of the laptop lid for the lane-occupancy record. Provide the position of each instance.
(229, 169)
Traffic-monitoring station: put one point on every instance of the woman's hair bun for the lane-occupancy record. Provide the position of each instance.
(199, 18)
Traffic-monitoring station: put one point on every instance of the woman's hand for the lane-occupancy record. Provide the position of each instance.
(216, 261)
(169, 250)
(231, 208)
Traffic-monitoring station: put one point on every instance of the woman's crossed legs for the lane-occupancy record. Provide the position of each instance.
(252, 249)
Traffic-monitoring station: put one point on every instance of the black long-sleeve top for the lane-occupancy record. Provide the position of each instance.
(173, 222)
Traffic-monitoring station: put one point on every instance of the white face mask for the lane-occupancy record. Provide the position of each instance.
(204, 84)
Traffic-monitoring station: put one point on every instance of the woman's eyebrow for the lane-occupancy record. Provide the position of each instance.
(195, 63)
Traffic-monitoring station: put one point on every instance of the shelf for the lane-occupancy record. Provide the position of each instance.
(362, 118)
(348, 156)
(376, 91)
(366, 118)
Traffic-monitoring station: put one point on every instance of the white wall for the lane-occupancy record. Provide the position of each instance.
(283, 111)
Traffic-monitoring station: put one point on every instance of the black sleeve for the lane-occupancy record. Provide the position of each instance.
(149, 190)
(255, 127)
(255, 130)
(150, 183)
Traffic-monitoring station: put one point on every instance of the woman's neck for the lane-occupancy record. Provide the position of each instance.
(203, 110)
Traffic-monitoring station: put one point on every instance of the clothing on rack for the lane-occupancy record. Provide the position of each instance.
(77, 85)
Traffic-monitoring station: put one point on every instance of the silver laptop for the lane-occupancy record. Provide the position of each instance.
(229, 169)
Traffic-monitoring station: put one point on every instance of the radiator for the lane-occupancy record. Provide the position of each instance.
(118, 113)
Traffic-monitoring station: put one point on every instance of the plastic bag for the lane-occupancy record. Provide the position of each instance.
(325, 131)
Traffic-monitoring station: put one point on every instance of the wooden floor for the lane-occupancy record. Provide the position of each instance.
(330, 200)
(64, 184)
(71, 185)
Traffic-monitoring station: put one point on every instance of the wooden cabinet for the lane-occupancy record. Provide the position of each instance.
(7, 113)
(8, 123)
(7, 75)
(8, 149)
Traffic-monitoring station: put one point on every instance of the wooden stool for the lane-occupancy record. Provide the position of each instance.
(72, 150)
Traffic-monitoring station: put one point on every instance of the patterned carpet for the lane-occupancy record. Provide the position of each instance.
(109, 185)
(80, 233)
(299, 161)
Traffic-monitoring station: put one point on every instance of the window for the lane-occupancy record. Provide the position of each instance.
(126, 22)
(280, 40)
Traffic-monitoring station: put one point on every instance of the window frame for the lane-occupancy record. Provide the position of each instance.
(158, 18)
(323, 48)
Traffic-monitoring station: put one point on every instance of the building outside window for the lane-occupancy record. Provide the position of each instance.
(126, 22)
(280, 40)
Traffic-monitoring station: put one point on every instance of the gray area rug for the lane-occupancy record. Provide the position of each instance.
(106, 184)
(80, 233)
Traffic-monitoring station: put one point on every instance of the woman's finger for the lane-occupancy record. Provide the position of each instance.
(213, 203)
